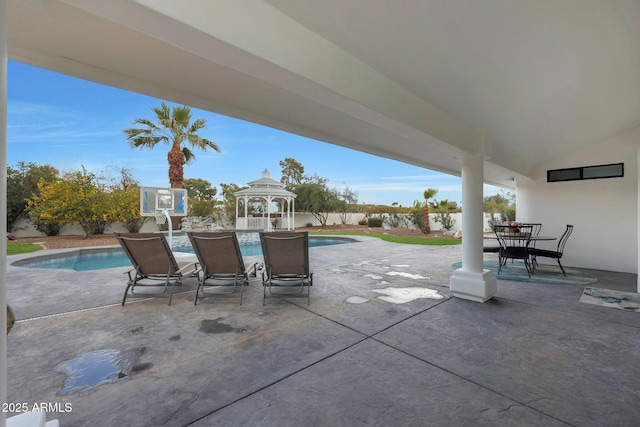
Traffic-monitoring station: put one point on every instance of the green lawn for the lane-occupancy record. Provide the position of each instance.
(409, 240)
(21, 248)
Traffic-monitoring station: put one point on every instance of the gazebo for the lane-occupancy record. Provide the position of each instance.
(266, 191)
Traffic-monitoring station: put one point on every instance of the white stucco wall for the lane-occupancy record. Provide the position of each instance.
(24, 227)
(302, 219)
(603, 211)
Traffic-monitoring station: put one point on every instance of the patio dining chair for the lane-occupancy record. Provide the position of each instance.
(152, 262)
(514, 244)
(535, 231)
(491, 248)
(286, 264)
(557, 254)
(536, 228)
(221, 266)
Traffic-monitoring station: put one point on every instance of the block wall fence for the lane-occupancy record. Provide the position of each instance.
(24, 228)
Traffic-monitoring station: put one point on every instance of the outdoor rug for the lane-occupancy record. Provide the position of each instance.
(549, 274)
(628, 301)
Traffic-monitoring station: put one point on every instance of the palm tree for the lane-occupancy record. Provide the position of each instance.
(173, 127)
(428, 193)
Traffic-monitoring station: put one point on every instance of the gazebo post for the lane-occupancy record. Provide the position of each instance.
(246, 212)
(280, 210)
(236, 213)
(269, 228)
(285, 208)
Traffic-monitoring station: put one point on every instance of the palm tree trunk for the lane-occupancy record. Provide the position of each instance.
(176, 176)
(426, 229)
(176, 169)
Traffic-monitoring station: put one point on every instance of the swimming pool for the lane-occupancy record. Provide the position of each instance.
(97, 259)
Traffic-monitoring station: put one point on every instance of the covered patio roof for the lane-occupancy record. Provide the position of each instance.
(489, 90)
(424, 82)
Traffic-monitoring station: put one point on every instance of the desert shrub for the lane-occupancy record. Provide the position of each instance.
(375, 222)
(445, 219)
(416, 215)
(48, 228)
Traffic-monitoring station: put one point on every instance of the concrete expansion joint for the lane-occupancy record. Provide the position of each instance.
(73, 312)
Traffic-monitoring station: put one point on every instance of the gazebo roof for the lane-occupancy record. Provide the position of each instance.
(265, 186)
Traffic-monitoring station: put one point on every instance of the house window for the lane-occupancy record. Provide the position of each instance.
(615, 170)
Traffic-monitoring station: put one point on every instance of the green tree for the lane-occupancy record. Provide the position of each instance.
(22, 183)
(499, 202)
(503, 203)
(317, 199)
(124, 207)
(202, 197)
(229, 201)
(292, 173)
(123, 178)
(124, 203)
(443, 206)
(347, 202)
(173, 127)
(428, 194)
(315, 179)
(78, 197)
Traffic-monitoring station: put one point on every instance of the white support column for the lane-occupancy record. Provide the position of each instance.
(3, 203)
(638, 218)
(471, 281)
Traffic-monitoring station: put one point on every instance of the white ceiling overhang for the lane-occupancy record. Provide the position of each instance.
(425, 82)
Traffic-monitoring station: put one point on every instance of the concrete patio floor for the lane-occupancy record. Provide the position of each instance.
(533, 355)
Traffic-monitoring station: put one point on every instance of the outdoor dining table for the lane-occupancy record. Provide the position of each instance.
(530, 238)
(538, 238)
(517, 236)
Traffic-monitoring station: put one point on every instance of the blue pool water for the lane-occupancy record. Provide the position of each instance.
(112, 258)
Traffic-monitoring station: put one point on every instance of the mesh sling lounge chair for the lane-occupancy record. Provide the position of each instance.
(286, 264)
(152, 261)
(557, 254)
(514, 244)
(220, 262)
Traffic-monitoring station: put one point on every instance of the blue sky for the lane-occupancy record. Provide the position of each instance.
(69, 123)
